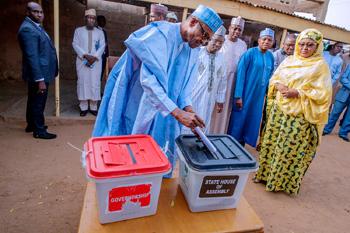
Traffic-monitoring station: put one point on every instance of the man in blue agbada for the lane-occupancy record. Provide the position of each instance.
(342, 102)
(149, 89)
(254, 71)
(334, 60)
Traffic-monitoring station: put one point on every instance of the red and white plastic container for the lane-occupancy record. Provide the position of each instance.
(128, 172)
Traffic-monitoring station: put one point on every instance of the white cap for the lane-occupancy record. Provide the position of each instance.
(172, 15)
(90, 12)
(238, 21)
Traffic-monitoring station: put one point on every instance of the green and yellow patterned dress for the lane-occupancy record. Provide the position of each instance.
(294, 122)
(287, 148)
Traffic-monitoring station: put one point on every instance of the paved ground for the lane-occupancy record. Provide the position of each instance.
(13, 100)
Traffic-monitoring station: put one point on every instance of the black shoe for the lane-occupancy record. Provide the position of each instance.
(45, 135)
(93, 112)
(83, 113)
(324, 133)
(30, 129)
(345, 138)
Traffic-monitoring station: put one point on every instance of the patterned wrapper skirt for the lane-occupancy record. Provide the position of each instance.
(287, 147)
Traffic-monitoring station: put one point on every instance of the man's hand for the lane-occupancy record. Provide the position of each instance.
(91, 59)
(219, 107)
(42, 87)
(189, 109)
(239, 103)
(188, 119)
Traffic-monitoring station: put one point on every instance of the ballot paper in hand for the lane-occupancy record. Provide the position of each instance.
(206, 141)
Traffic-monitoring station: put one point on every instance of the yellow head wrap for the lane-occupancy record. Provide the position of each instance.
(314, 35)
(311, 77)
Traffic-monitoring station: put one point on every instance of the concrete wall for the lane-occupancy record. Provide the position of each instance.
(11, 16)
(121, 21)
(252, 30)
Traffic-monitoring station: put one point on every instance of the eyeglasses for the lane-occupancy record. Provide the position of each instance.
(205, 35)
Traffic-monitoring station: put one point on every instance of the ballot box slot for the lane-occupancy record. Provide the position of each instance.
(118, 154)
(131, 153)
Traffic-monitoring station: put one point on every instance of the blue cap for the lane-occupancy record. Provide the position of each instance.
(208, 16)
(267, 32)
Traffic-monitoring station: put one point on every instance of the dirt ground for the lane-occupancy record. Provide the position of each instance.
(42, 186)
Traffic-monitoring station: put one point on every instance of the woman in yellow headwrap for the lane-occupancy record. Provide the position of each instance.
(298, 100)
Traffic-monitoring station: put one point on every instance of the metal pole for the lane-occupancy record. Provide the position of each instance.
(146, 20)
(57, 45)
(184, 14)
(284, 34)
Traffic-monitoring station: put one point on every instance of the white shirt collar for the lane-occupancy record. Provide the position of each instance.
(37, 24)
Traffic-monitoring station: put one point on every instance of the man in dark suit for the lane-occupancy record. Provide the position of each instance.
(39, 68)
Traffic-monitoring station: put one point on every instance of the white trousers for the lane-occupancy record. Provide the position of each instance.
(84, 105)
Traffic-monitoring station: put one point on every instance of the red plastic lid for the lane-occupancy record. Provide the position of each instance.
(118, 156)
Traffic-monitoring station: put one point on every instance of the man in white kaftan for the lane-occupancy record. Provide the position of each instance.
(232, 49)
(158, 12)
(210, 87)
(89, 45)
